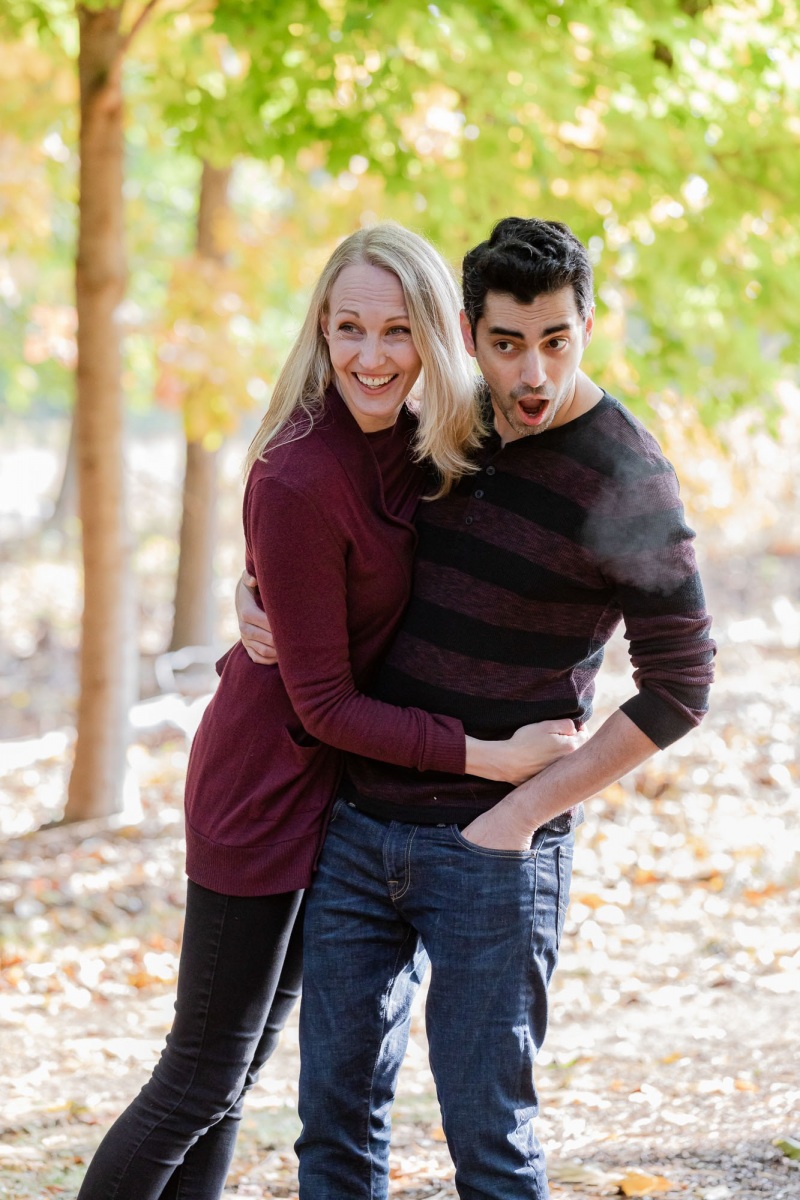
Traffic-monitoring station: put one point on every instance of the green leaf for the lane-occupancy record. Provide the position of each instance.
(788, 1146)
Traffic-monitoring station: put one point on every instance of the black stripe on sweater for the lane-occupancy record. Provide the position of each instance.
(467, 552)
(450, 630)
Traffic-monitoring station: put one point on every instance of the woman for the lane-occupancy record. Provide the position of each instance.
(333, 477)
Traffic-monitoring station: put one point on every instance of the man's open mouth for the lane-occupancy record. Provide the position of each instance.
(532, 408)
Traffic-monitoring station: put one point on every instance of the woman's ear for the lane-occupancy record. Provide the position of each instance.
(466, 333)
(325, 326)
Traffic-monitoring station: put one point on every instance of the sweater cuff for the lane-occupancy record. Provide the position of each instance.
(445, 747)
(658, 720)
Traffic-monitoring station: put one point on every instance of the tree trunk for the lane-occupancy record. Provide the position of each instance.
(109, 642)
(65, 504)
(193, 623)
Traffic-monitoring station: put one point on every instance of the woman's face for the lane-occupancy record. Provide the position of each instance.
(369, 338)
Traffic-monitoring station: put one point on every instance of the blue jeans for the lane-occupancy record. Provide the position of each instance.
(387, 898)
(239, 977)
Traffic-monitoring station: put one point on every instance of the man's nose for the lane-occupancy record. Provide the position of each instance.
(533, 374)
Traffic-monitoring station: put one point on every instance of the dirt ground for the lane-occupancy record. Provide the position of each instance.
(672, 1063)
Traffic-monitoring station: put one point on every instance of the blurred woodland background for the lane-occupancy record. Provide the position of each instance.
(173, 174)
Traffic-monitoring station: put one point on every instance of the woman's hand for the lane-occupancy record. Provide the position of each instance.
(253, 625)
(525, 753)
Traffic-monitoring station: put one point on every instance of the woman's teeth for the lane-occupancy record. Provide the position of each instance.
(374, 381)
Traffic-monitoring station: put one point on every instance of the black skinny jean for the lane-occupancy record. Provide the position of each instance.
(239, 976)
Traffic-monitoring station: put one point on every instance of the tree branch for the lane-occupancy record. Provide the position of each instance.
(136, 26)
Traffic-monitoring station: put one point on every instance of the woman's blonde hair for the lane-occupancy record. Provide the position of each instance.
(449, 427)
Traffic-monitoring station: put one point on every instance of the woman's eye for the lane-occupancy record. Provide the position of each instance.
(347, 327)
(399, 331)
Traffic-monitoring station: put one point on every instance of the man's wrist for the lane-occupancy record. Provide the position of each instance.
(521, 808)
(517, 815)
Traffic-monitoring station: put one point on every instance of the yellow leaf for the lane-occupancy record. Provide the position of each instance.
(212, 440)
(637, 1184)
(641, 876)
(753, 896)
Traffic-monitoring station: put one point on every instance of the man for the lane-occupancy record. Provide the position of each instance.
(572, 523)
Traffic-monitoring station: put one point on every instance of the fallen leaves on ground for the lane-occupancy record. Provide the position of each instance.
(634, 1183)
(670, 1062)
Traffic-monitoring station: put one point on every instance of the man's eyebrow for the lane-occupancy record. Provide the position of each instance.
(499, 331)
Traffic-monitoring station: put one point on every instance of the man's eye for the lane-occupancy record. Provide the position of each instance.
(557, 343)
(504, 347)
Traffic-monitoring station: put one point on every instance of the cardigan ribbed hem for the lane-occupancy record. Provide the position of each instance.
(265, 869)
(446, 749)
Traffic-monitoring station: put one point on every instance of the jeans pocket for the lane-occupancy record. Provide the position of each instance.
(336, 808)
(489, 852)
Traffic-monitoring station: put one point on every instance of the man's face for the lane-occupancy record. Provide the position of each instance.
(529, 355)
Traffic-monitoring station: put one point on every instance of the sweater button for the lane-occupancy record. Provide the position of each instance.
(479, 494)
(490, 470)
(467, 520)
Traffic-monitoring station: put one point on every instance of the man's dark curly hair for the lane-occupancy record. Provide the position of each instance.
(524, 258)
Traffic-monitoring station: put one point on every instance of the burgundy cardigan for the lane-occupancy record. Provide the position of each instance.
(333, 567)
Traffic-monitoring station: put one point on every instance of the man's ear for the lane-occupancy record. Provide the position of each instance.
(588, 327)
(466, 333)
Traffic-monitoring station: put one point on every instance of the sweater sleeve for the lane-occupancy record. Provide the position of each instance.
(646, 551)
(301, 568)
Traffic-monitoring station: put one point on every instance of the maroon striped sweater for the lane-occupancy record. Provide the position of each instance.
(522, 574)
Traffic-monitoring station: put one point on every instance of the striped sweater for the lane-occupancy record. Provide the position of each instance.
(522, 574)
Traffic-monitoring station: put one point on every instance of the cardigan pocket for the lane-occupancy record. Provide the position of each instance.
(301, 745)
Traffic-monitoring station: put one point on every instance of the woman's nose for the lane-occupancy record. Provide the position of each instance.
(372, 353)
